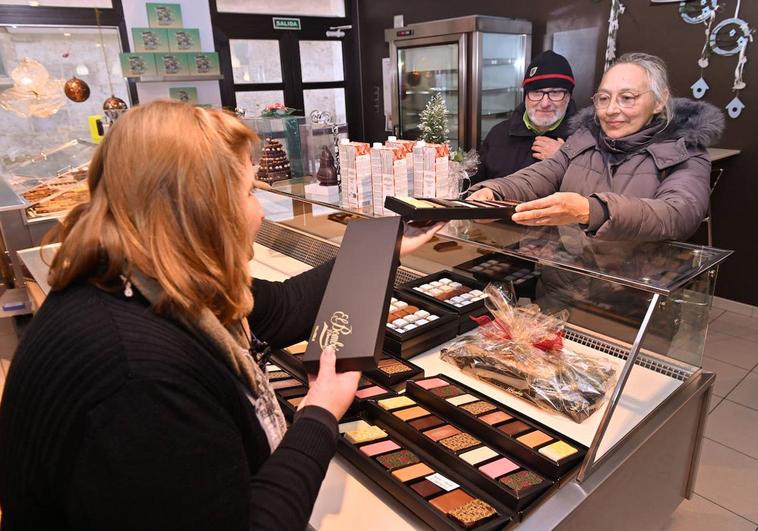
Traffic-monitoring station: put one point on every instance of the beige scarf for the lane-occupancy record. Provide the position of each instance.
(232, 345)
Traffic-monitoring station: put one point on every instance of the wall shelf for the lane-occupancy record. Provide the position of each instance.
(158, 79)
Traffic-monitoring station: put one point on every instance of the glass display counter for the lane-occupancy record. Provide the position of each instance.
(34, 194)
(642, 307)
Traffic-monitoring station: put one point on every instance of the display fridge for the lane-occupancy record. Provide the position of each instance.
(476, 62)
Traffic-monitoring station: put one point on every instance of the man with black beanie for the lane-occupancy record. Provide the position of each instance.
(538, 127)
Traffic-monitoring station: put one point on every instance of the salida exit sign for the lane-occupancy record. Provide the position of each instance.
(286, 23)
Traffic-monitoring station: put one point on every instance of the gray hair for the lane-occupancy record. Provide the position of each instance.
(657, 74)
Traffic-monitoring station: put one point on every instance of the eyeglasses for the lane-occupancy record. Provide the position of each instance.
(552, 95)
(625, 100)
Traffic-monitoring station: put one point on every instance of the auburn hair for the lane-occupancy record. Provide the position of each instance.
(165, 187)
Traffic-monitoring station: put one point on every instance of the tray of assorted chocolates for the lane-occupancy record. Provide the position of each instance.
(497, 472)
(391, 371)
(290, 390)
(424, 208)
(425, 485)
(545, 451)
(415, 325)
(455, 292)
(496, 267)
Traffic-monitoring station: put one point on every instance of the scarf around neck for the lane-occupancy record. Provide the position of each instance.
(618, 149)
(231, 344)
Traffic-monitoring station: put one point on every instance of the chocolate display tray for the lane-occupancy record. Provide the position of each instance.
(421, 208)
(475, 309)
(507, 269)
(414, 371)
(282, 395)
(421, 339)
(518, 502)
(491, 435)
(290, 364)
(403, 493)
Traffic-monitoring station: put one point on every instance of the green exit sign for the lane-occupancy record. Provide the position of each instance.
(287, 23)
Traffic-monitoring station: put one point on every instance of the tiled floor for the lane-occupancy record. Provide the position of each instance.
(727, 487)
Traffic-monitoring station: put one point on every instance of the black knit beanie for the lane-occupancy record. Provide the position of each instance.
(549, 70)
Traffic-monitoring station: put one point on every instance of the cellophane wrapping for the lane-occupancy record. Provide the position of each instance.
(522, 351)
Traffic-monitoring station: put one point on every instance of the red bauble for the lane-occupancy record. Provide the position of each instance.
(76, 90)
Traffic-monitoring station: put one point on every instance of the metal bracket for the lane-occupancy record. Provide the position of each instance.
(589, 464)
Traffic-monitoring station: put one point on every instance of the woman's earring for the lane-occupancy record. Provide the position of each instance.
(128, 291)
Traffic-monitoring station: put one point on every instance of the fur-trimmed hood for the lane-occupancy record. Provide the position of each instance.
(699, 123)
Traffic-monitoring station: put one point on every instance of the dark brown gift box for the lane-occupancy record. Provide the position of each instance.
(354, 308)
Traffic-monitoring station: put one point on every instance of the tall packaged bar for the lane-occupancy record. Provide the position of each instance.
(355, 168)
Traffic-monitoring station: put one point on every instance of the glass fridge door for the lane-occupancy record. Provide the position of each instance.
(502, 71)
(422, 72)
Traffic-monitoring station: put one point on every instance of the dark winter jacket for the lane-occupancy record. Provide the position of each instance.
(508, 146)
(655, 190)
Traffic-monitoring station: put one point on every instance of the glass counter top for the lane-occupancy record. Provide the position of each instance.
(655, 267)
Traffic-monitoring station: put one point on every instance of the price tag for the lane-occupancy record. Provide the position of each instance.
(442, 482)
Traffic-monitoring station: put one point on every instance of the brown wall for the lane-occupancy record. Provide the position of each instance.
(656, 29)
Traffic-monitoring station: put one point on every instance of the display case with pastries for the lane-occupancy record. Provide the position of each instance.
(35, 193)
(641, 310)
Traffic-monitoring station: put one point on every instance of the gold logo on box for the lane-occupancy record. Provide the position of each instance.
(338, 326)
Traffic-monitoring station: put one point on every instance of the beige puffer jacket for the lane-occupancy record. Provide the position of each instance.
(650, 190)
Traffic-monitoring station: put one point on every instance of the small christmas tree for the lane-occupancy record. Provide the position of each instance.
(434, 121)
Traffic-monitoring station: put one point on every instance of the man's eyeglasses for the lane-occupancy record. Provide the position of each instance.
(625, 100)
(552, 95)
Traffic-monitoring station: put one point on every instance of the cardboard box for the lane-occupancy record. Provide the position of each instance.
(164, 15)
(138, 64)
(203, 64)
(353, 311)
(389, 175)
(184, 94)
(171, 64)
(436, 163)
(183, 40)
(355, 170)
(150, 40)
(407, 146)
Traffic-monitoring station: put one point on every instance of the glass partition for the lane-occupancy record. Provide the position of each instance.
(502, 73)
(424, 71)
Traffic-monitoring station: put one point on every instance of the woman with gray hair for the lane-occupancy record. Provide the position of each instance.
(635, 168)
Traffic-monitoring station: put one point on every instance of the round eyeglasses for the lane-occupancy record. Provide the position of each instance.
(625, 100)
(552, 95)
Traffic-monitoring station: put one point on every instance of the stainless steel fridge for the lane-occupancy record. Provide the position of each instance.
(476, 62)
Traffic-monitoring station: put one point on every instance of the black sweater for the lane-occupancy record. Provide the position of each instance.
(116, 418)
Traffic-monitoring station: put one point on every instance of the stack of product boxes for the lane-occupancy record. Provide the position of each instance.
(431, 175)
(355, 170)
(389, 174)
(407, 146)
(167, 48)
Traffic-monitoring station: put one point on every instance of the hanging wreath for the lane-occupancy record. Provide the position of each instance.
(697, 11)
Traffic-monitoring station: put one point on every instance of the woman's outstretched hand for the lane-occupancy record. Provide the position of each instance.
(415, 235)
(560, 208)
